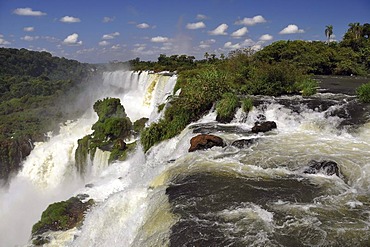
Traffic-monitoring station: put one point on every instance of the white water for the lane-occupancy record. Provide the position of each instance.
(132, 208)
(49, 174)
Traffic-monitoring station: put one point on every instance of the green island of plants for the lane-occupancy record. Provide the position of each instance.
(110, 131)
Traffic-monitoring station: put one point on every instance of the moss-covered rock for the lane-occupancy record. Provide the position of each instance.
(61, 216)
(110, 131)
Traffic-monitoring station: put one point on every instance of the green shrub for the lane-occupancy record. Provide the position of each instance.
(247, 104)
(308, 86)
(363, 93)
(226, 107)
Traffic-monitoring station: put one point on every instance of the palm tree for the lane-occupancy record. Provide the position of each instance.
(329, 32)
(355, 29)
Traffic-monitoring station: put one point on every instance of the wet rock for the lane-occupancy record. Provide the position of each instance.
(204, 141)
(263, 126)
(243, 143)
(120, 144)
(325, 167)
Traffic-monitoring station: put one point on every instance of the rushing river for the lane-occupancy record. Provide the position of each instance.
(254, 194)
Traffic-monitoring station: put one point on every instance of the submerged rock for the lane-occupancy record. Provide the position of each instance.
(325, 167)
(204, 141)
(242, 143)
(263, 126)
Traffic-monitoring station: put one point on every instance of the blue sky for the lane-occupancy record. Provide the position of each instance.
(100, 31)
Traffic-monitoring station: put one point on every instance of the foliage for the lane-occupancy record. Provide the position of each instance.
(307, 86)
(33, 88)
(139, 124)
(363, 93)
(62, 216)
(247, 104)
(226, 107)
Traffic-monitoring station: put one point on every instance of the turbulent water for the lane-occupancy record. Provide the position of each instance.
(256, 195)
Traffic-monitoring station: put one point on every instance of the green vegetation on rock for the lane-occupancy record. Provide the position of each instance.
(110, 131)
(226, 107)
(62, 216)
(363, 93)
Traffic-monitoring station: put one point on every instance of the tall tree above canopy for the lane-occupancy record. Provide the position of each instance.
(329, 32)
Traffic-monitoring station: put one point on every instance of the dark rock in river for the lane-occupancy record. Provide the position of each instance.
(242, 143)
(263, 126)
(204, 141)
(325, 167)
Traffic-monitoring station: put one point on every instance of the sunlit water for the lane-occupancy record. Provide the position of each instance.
(252, 196)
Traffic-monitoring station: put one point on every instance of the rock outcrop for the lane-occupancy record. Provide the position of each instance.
(325, 167)
(204, 141)
(60, 216)
(264, 126)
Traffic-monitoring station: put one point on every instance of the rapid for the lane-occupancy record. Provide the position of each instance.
(256, 194)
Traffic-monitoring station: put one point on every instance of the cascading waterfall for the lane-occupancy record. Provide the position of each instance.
(257, 195)
(49, 173)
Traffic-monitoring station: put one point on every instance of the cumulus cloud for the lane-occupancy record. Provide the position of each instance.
(290, 29)
(107, 19)
(103, 43)
(229, 45)
(201, 17)
(72, 40)
(143, 25)
(220, 30)
(207, 43)
(111, 35)
(28, 29)
(240, 32)
(30, 38)
(196, 25)
(266, 37)
(251, 21)
(28, 12)
(159, 39)
(3, 41)
(69, 19)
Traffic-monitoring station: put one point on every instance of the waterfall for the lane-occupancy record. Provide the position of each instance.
(49, 174)
(256, 195)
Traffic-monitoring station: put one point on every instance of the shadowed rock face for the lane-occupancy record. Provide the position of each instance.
(264, 126)
(325, 167)
(204, 141)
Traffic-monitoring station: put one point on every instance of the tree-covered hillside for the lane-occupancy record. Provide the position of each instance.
(32, 85)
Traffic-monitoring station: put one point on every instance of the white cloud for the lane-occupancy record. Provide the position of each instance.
(103, 43)
(28, 12)
(291, 29)
(111, 35)
(196, 25)
(108, 19)
(266, 37)
(72, 40)
(116, 47)
(69, 19)
(159, 39)
(251, 21)
(240, 32)
(3, 41)
(142, 25)
(220, 30)
(28, 29)
(201, 17)
(229, 45)
(207, 43)
(30, 38)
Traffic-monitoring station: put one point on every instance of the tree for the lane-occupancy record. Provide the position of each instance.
(328, 32)
(206, 55)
